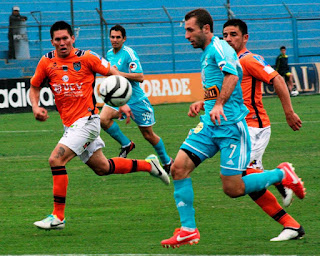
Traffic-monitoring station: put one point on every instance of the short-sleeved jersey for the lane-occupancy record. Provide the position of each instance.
(255, 71)
(72, 81)
(219, 57)
(127, 60)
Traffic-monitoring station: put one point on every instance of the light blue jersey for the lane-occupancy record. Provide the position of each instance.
(217, 58)
(127, 60)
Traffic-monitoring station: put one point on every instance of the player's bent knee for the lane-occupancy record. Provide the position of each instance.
(101, 172)
(178, 173)
(233, 192)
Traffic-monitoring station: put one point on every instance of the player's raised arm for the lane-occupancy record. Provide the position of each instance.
(195, 108)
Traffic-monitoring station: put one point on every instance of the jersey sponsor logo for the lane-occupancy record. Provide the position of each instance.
(65, 78)
(65, 68)
(222, 64)
(77, 66)
(68, 89)
(119, 62)
(211, 93)
(133, 66)
(198, 128)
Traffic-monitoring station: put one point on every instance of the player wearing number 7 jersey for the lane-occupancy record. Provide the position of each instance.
(222, 128)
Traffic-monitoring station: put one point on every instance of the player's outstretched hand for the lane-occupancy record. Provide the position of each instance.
(195, 108)
(40, 114)
(126, 110)
(294, 121)
(216, 113)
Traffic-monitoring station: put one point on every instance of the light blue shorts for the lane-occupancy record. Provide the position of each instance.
(233, 141)
(142, 111)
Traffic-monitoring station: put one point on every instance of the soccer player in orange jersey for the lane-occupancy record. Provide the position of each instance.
(70, 73)
(255, 71)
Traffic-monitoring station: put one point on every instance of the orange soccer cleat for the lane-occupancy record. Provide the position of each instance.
(181, 237)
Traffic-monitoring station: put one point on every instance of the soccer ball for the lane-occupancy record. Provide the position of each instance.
(115, 90)
(294, 93)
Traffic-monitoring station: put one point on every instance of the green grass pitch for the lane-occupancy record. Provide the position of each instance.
(131, 214)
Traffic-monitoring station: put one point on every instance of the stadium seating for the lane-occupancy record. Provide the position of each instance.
(150, 30)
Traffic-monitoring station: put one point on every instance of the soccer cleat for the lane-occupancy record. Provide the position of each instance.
(286, 194)
(289, 234)
(51, 222)
(126, 150)
(157, 170)
(181, 237)
(167, 166)
(291, 180)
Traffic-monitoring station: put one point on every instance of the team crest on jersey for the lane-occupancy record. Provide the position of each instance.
(65, 78)
(77, 66)
(133, 66)
(211, 93)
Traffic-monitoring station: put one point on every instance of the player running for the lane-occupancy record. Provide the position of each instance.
(126, 60)
(256, 70)
(71, 76)
(222, 128)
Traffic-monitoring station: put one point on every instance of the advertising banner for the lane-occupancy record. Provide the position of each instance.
(14, 96)
(160, 89)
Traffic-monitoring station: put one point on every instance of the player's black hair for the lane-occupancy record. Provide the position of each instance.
(237, 23)
(202, 16)
(282, 47)
(118, 27)
(60, 25)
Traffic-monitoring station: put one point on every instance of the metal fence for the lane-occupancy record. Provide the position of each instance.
(157, 34)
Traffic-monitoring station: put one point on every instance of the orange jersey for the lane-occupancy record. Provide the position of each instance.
(255, 71)
(72, 81)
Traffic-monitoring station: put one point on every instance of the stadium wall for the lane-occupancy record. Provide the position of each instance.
(160, 88)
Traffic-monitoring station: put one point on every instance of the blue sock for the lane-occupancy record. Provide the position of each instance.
(162, 153)
(115, 132)
(257, 181)
(183, 195)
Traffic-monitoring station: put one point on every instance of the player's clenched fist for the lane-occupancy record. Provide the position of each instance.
(40, 114)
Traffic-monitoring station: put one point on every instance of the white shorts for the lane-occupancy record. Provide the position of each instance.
(83, 137)
(259, 138)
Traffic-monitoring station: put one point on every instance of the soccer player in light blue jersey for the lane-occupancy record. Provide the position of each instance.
(222, 128)
(126, 60)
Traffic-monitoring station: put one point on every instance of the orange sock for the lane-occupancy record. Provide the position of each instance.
(60, 184)
(119, 165)
(270, 205)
